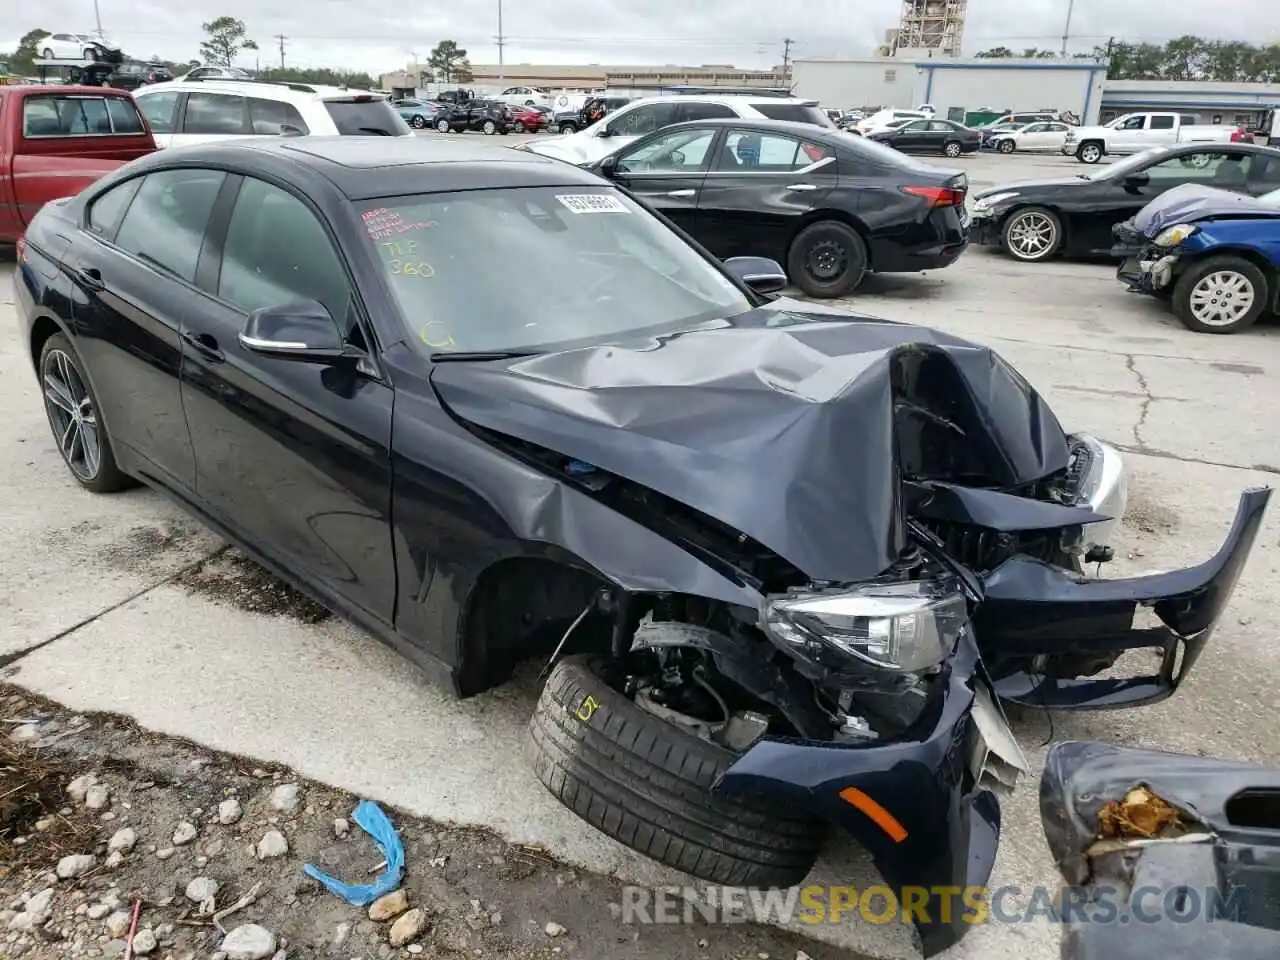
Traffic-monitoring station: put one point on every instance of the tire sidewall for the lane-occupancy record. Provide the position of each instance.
(855, 252)
(1181, 298)
(1014, 217)
(1087, 149)
(442, 126)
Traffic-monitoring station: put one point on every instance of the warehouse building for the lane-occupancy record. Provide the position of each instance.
(1227, 103)
(964, 90)
(627, 79)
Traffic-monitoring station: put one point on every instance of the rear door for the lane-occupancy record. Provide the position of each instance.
(758, 190)
(99, 126)
(207, 116)
(913, 137)
(1162, 130)
(667, 170)
(161, 108)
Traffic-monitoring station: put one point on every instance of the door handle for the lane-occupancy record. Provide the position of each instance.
(803, 187)
(90, 278)
(682, 193)
(206, 345)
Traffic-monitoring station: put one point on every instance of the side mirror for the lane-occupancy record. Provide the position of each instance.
(608, 168)
(301, 330)
(1139, 179)
(605, 132)
(759, 273)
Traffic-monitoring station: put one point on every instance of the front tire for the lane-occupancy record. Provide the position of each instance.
(1089, 152)
(519, 126)
(952, 149)
(648, 785)
(1005, 146)
(568, 128)
(1220, 295)
(1032, 234)
(46, 53)
(489, 128)
(418, 122)
(442, 126)
(75, 419)
(827, 259)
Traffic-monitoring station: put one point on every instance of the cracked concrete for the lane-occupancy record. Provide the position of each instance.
(95, 620)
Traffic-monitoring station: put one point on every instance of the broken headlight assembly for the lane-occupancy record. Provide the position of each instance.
(1173, 236)
(904, 626)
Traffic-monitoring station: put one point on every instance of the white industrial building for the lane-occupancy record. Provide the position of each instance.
(955, 87)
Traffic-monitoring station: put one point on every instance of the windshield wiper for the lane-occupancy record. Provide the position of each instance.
(464, 355)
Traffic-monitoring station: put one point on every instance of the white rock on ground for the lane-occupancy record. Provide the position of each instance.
(77, 787)
(248, 942)
(285, 798)
(553, 929)
(407, 927)
(272, 844)
(144, 942)
(123, 840)
(117, 924)
(22, 922)
(392, 905)
(25, 733)
(114, 859)
(97, 797)
(201, 889)
(41, 905)
(74, 865)
(229, 811)
(97, 911)
(341, 827)
(184, 833)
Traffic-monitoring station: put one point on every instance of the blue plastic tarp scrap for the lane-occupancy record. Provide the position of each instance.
(370, 818)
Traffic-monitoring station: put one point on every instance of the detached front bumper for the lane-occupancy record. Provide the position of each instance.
(923, 804)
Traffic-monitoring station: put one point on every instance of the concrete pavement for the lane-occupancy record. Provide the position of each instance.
(1195, 412)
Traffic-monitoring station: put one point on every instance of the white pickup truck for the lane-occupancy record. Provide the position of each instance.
(1135, 132)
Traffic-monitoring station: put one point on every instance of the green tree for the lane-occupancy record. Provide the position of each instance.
(226, 38)
(1133, 61)
(27, 50)
(1185, 59)
(449, 63)
(996, 53)
(322, 75)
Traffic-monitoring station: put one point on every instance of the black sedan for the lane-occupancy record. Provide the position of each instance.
(1037, 219)
(829, 205)
(946, 137)
(486, 116)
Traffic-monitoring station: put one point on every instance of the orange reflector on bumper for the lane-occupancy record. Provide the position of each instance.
(882, 818)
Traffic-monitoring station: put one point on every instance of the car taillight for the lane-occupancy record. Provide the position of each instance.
(21, 249)
(937, 196)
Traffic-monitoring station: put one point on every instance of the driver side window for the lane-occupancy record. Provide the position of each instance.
(642, 119)
(683, 151)
(1133, 123)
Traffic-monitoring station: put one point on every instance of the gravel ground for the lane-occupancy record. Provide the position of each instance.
(99, 817)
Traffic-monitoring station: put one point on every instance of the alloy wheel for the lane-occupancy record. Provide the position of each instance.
(952, 150)
(1006, 146)
(490, 128)
(1032, 236)
(826, 260)
(443, 126)
(418, 122)
(1091, 153)
(1221, 298)
(72, 415)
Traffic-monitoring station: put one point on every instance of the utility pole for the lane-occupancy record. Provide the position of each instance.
(281, 38)
(97, 16)
(786, 53)
(502, 73)
(1066, 31)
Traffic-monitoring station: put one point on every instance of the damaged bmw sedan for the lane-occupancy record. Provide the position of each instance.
(781, 564)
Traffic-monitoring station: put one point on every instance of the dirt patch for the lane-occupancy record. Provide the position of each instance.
(1241, 369)
(196, 815)
(230, 577)
(143, 547)
(1148, 517)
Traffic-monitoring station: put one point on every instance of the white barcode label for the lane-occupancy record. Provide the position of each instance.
(592, 203)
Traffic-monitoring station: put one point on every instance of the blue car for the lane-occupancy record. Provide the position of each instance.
(1213, 254)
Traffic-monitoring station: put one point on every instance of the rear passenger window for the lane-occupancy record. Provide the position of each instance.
(159, 108)
(767, 153)
(106, 211)
(267, 117)
(215, 113)
(166, 222)
(64, 116)
(124, 116)
(1162, 123)
(704, 111)
(277, 252)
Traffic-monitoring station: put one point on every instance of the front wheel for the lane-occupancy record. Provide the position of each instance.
(1005, 146)
(649, 784)
(827, 259)
(417, 121)
(568, 128)
(46, 54)
(489, 128)
(76, 420)
(1089, 152)
(952, 149)
(1220, 295)
(442, 126)
(1032, 234)
(519, 126)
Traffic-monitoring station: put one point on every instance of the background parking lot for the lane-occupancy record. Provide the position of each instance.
(124, 604)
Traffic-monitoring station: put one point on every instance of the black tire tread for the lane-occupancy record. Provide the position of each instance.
(648, 785)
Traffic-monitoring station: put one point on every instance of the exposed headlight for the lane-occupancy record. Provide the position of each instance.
(907, 627)
(1101, 486)
(1172, 236)
(986, 203)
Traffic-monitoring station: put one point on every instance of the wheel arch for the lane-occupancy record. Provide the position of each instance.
(840, 216)
(44, 327)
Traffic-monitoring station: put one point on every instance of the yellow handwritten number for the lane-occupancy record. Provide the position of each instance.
(588, 709)
(424, 334)
(410, 268)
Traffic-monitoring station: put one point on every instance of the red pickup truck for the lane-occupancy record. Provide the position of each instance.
(56, 140)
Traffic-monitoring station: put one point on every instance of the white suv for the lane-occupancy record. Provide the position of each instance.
(199, 111)
(641, 117)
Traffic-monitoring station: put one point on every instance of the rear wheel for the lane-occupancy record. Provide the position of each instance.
(418, 121)
(952, 149)
(827, 259)
(519, 126)
(76, 420)
(442, 126)
(568, 128)
(1032, 234)
(1220, 295)
(1090, 152)
(648, 784)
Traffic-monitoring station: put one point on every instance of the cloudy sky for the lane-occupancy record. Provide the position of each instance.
(747, 33)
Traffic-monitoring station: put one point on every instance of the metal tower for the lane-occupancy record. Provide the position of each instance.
(932, 25)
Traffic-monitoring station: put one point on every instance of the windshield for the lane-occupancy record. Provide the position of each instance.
(1128, 165)
(447, 259)
(366, 117)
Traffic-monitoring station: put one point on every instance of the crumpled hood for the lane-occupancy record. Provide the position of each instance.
(784, 426)
(1191, 202)
(1028, 185)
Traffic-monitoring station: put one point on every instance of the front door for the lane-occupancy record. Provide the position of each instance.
(1129, 136)
(913, 137)
(759, 189)
(161, 110)
(667, 171)
(207, 117)
(134, 269)
(292, 456)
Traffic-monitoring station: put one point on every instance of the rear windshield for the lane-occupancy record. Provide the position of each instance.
(366, 118)
(794, 112)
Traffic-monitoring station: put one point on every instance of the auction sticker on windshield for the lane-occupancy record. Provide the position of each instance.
(592, 203)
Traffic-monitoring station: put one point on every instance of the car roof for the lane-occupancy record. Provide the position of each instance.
(364, 168)
(809, 131)
(261, 88)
